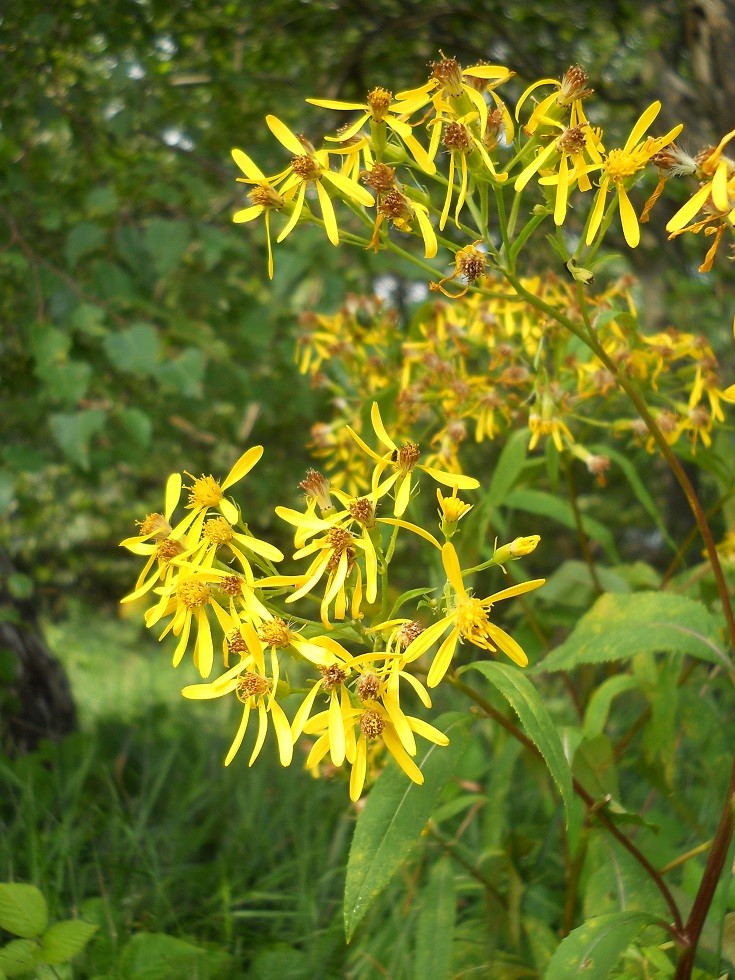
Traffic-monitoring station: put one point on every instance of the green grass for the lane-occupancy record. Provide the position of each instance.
(134, 823)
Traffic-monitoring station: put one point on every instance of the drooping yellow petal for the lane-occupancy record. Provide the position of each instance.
(295, 214)
(402, 757)
(262, 730)
(628, 219)
(240, 735)
(336, 731)
(283, 733)
(359, 770)
(597, 211)
(349, 188)
(330, 220)
(443, 658)
(457, 480)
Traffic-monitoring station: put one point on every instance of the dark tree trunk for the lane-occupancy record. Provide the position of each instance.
(36, 702)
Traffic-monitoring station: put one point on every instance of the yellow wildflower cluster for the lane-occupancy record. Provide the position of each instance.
(487, 364)
(344, 682)
(413, 160)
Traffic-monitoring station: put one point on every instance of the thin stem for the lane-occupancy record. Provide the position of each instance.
(713, 869)
(588, 800)
(581, 536)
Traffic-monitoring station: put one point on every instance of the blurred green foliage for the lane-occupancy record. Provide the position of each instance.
(141, 334)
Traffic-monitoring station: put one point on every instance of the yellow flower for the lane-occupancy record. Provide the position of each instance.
(264, 197)
(206, 492)
(403, 212)
(187, 600)
(468, 620)
(373, 723)
(312, 166)
(569, 147)
(451, 87)
(380, 109)
(621, 164)
(255, 689)
(403, 461)
(569, 93)
(217, 533)
(461, 140)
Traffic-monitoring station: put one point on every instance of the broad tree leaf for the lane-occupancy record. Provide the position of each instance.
(396, 812)
(184, 374)
(72, 432)
(65, 940)
(83, 238)
(547, 505)
(592, 950)
(23, 910)
(538, 723)
(435, 932)
(166, 242)
(619, 626)
(135, 349)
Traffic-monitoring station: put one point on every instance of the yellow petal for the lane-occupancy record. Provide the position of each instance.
(628, 219)
(359, 769)
(243, 466)
(349, 188)
(283, 734)
(173, 492)
(330, 221)
(262, 729)
(237, 742)
(250, 169)
(644, 122)
(284, 136)
(379, 428)
(687, 211)
(336, 731)
(452, 568)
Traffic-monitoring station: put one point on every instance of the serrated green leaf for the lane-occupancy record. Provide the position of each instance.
(72, 432)
(393, 818)
(525, 700)
(23, 910)
(65, 940)
(593, 949)
(135, 349)
(620, 626)
(435, 930)
(18, 957)
(547, 505)
(616, 882)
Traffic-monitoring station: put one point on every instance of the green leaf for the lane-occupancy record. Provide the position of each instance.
(435, 930)
(594, 767)
(89, 319)
(598, 707)
(135, 349)
(84, 238)
(23, 910)
(620, 626)
(396, 812)
(138, 425)
(167, 242)
(156, 956)
(547, 505)
(508, 468)
(65, 940)
(616, 882)
(66, 382)
(7, 490)
(18, 957)
(72, 432)
(184, 374)
(639, 489)
(592, 950)
(405, 597)
(525, 700)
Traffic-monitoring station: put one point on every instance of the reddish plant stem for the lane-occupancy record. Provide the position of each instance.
(692, 931)
(589, 800)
